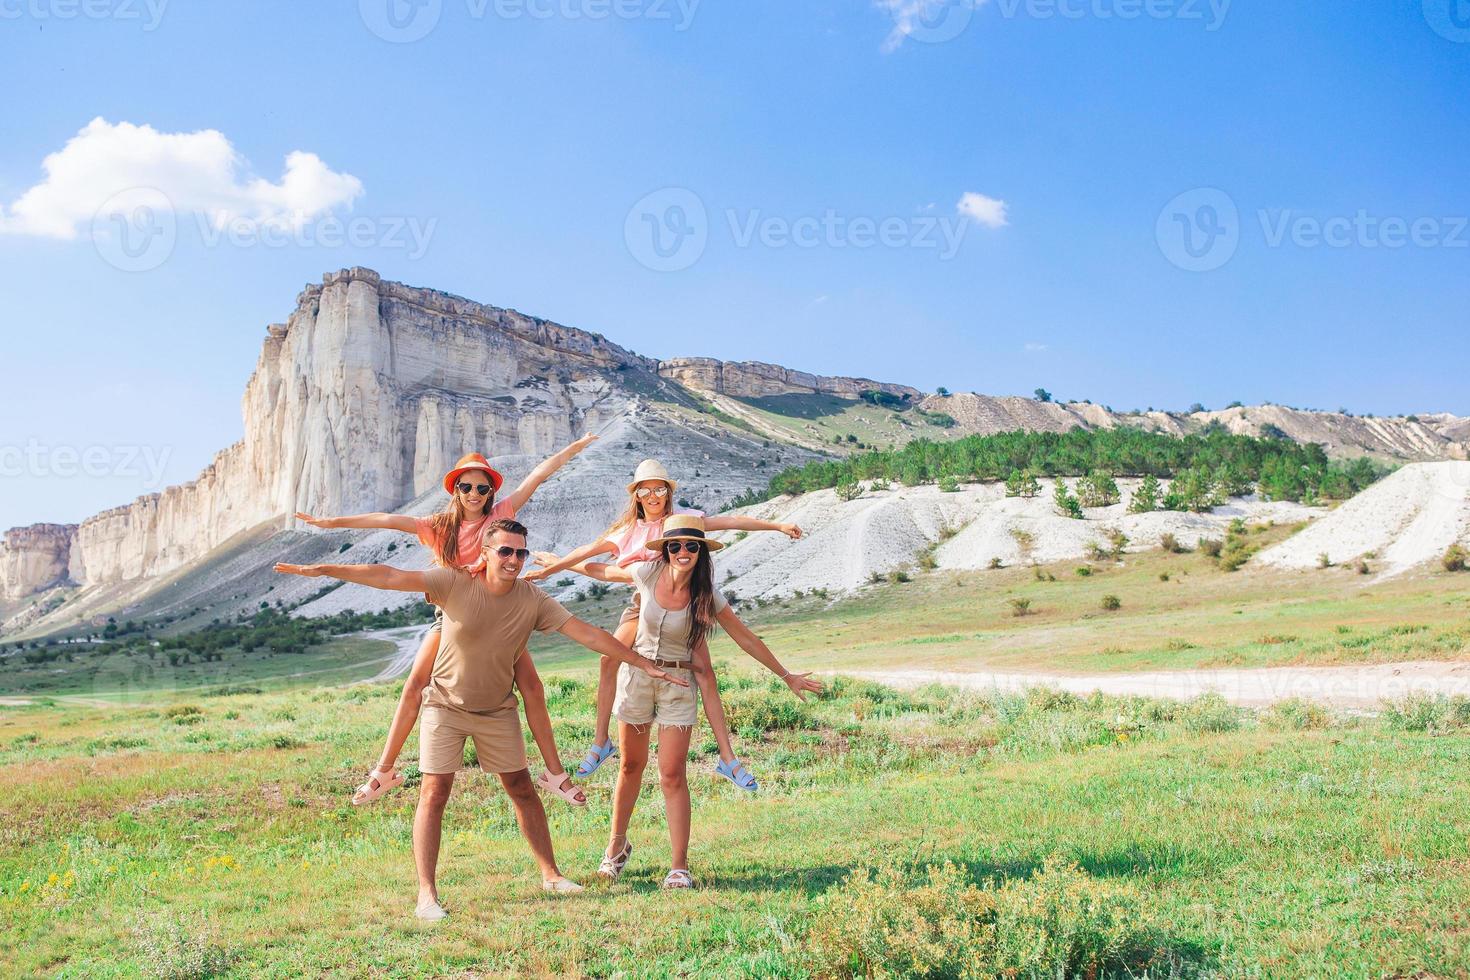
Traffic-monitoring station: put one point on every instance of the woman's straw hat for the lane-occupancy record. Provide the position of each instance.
(651, 469)
(472, 461)
(682, 527)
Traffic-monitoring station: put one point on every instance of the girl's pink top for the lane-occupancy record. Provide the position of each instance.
(631, 542)
(471, 533)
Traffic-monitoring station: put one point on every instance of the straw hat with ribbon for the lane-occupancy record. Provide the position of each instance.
(651, 469)
(683, 527)
(472, 461)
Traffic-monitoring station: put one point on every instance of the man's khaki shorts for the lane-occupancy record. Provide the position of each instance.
(497, 736)
(641, 699)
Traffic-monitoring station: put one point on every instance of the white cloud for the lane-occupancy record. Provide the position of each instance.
(925, 20)
(198, 172)
(989, 211)
(1035, 348)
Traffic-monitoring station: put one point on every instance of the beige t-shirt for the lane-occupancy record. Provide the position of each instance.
(663, 634)
(483, 635)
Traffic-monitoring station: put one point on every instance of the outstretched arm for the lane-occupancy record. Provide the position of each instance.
(603, 642)
(521, 495)
(800, 684)
(374, 576)
(737, 523)
(391, 522)
(606, 573)
(562, 564)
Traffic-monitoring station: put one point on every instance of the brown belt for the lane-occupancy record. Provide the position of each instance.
(673, 664)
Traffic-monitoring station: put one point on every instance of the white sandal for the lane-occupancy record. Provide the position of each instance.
(612, 865)
(566, 789)
(678, 878)
(561, 886)
(386, 782)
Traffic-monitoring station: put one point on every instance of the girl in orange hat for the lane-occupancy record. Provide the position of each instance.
(454, 537)
(650, 501)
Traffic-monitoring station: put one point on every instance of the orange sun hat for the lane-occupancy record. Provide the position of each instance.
(472, 461)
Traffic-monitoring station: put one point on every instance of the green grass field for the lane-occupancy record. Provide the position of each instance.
(184, 832)
(1116, 834)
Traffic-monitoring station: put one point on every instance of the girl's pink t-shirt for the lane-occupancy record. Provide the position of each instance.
(631, 542)
(471, 533)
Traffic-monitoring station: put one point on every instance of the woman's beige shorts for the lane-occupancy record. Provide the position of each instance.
(641, 699)
(497, 736)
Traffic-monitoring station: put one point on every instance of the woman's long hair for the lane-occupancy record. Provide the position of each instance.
(446, 524)
(701, 597)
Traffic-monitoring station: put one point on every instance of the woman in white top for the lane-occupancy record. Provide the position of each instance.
(650, 501)
(679, 606)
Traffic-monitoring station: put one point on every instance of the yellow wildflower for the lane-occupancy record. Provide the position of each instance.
(53, 878)
(25, 886)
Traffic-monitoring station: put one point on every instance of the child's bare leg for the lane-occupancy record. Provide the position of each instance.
(407, 712)
(538, 718)
(607, 682)
(714, 708)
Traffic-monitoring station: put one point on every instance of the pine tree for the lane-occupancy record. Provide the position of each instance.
(1066, 504)
(1146, 497)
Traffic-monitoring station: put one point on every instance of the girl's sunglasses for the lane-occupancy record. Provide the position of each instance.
(653, 491)
(691, 546)
(505, 551)
(481, 488)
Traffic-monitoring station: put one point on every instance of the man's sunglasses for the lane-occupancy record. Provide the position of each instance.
(677, 546)
(505, 551)
(481, 488)
(654, 491)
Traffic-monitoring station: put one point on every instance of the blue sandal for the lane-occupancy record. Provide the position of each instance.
(739, 775)
(595, 757)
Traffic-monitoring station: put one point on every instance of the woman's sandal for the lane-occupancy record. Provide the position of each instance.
(678, 878)
(561, 886)
(612, 866)
(739, 775)
(595, 757)
(386, 781)
(561, 787)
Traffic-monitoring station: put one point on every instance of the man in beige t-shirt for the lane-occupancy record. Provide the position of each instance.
(467, 689)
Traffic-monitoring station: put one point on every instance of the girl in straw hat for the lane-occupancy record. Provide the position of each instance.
(679, 606)
(650, 502)
(454, 537)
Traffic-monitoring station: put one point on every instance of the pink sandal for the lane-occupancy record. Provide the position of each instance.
(563, 788)
(386, 781)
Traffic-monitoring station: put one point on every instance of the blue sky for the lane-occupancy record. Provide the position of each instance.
(520, 136)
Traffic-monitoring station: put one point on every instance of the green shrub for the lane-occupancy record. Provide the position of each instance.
(1066, 504)
(182, 948)
(849, 490)
(767, 711)
(1019, 606)
(1211, 547)
(1059, 922)
(996, 563)
(1210, 713)
(1456, 558)
(1298, 715)
(1083, 571)
(1425, 713)
(1111, 602)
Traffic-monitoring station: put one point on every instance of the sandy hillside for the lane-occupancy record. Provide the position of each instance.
(1406, 519)
(847, 542)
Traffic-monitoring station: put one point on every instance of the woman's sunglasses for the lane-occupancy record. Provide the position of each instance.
(690, 546)
(481, 488)
(653, 491)
(505, 551)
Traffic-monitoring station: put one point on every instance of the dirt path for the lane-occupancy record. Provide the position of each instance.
(407, 639)
(1362, 687)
